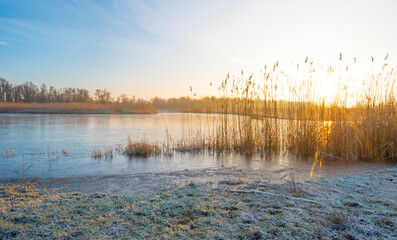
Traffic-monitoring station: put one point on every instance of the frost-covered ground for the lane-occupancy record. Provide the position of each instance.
(362, 206)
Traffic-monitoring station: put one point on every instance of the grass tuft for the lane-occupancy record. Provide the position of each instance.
(141, 149)
(96, 153)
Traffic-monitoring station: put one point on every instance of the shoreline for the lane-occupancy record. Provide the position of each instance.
(76, 108)
(147, 182)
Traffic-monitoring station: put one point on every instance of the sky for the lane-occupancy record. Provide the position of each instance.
(160, 48)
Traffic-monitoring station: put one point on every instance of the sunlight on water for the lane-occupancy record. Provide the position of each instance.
(317, 162)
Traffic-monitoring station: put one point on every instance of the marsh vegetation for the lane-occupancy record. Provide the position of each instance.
(311, 110)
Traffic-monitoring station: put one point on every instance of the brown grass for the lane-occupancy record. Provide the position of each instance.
(141, 149)
(96, 153)
(80, 108)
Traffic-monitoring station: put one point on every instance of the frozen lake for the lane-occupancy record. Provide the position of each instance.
(60, 146)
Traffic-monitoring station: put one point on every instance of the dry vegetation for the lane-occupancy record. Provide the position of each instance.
(78, 108)
(288, 113)
(351, 207)
(96, 153)
(141, 149)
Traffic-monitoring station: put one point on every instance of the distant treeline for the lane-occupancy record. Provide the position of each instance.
(29, 92)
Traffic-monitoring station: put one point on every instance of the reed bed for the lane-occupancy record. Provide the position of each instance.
(311, 110)
(79, 108)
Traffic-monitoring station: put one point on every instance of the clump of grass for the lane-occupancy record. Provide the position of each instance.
(192, 183)
(192, 145)
(96, 153)
(339, 220)
(141, 149)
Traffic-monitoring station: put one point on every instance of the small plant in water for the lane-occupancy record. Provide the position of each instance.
(64, 152)
(8, 152)
(96, 153)
(119, 148)
(52, 157)
(24, 166)
(109, 153)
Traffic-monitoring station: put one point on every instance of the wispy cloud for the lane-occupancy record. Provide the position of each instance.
(3, 43)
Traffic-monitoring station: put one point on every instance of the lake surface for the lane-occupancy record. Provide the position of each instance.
(59, 146)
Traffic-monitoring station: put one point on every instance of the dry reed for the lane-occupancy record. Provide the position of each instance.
(141, 149)
(289, 113)
(96, 153)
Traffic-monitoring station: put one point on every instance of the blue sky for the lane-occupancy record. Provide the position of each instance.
(159, 48)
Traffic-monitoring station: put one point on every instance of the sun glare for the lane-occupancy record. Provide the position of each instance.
(327, 90)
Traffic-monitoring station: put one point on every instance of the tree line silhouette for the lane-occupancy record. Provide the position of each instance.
(29, 92)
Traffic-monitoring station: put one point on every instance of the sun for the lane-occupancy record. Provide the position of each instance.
(327, 90)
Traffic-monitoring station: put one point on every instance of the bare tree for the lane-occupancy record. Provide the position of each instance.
(29, 92)
(102, 96)
(52, 94)
(43, 95)
(82, 95)
(124, 99)
(17, 93)
(5, 91)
